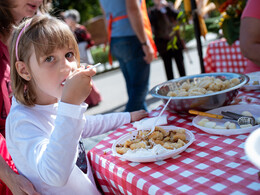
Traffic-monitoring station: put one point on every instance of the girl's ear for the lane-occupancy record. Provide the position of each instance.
(22, 70)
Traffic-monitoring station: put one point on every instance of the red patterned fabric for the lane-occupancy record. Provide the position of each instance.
(5, 86)
(220, 57)
(212, 164)
(5, 154)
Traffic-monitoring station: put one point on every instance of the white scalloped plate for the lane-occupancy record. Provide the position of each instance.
(252, 108)
(252, 148)
(152, 158)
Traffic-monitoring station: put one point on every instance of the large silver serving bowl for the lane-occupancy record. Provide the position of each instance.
(200, 102)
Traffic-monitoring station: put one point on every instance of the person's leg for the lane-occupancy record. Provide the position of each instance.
(129, 53)
(139, 71)
(124, 69)
(178, 56)
(119, 51)
(167, 61)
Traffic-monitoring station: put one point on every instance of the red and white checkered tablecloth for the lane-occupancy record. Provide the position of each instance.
(212, 164)
(220, 57)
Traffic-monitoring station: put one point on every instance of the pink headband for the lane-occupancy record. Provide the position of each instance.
(18, 39)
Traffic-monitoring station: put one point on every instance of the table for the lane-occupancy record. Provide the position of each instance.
(220, 57)
(212, 164)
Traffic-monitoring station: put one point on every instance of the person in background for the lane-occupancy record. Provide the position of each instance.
(11, 13)
(47, 120)
(131, 43)
(72, 18)
(250, 35)
(163, 18)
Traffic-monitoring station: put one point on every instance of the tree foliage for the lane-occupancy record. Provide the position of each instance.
(87, 8)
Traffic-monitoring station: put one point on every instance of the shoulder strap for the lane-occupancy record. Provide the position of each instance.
(109, 31)
(147, 27)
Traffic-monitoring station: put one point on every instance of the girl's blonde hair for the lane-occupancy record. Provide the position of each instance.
(44, 35)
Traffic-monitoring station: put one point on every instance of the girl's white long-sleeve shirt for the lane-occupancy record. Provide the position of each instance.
(43, 142)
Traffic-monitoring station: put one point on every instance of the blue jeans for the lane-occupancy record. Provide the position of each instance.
(128, 51)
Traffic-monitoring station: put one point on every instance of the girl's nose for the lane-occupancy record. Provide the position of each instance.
(66, 66)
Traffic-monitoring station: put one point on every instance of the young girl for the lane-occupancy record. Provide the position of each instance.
(47, 118)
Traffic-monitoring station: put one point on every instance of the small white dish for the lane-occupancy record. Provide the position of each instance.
(152, 158)
(254, 77)
(252, 108)
(252, 148)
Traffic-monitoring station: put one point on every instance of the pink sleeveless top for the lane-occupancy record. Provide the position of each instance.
(252, 10)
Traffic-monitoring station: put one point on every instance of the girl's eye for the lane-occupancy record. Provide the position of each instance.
(69, 55)
(49, 59)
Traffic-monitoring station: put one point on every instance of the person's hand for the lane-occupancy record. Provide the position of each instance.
(22, 186)
(137, 115)
(148, 53)
(78, 86)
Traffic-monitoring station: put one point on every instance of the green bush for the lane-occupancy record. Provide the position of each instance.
(187, 32)
(213, 24)
(99, 55)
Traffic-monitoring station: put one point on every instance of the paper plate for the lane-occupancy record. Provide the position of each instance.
(152, 158)
(254, 76)
(252, 148)
(252, 108)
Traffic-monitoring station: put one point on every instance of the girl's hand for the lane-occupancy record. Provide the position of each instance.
(137, 115)
(78, 86)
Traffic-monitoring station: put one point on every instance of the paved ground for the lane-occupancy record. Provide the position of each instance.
(111, 85)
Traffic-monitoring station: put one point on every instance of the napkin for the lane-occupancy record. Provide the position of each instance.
(148, 123)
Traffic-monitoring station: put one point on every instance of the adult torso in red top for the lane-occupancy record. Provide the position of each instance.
(5, 91)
